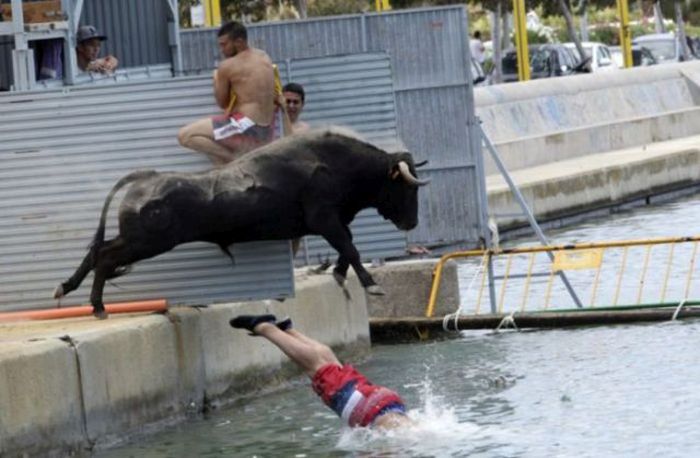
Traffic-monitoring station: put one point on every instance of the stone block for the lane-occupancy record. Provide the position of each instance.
(407, 285)
(40, 410)
(129, 376)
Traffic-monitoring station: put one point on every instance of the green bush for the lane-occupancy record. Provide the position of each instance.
(535, 37)
(605, 34)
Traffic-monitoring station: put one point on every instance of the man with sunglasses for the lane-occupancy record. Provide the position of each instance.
(294, 97)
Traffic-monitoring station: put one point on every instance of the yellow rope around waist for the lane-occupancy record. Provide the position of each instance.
(278, 90)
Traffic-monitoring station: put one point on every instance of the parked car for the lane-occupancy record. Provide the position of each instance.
(546, 61)
(598, 53)
(641, 56)
(664, 46)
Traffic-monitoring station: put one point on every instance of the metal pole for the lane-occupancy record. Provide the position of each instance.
(521, 40)
(625, 33)
(474, 139)
(526, 210)
(174, 37)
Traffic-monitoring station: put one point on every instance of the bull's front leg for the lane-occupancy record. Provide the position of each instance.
(340, 271)
(337, 235)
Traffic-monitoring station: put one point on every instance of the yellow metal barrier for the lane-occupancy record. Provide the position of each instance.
(607, 270)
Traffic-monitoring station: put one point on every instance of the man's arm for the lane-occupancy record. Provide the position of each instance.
(222, 87)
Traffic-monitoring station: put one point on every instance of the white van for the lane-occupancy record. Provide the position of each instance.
(599, 53)
(665, 47)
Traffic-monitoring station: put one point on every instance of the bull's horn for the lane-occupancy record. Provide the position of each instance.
(421, 163)
(408, 177)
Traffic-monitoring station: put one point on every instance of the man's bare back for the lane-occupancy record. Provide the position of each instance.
(245, 88)
(249, 75)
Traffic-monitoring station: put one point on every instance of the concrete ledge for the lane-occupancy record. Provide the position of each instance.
(40, 405)
(67, 386)
(407, 285)
(597, 180)
(129, 376)
(599, 138)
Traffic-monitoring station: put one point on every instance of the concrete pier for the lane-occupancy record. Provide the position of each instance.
(67, 386)
(589, 141)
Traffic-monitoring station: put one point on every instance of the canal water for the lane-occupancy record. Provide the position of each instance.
(608, 391)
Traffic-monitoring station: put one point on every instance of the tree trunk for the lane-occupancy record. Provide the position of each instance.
(680, 33)
(506, 44)
(301, 8)
(659, 18)
(497, 46)
(584, 25)
(570, 27)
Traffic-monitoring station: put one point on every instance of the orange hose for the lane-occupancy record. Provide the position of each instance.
(157, 305)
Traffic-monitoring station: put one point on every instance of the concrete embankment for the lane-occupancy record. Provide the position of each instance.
(68, 386)
(584, 142)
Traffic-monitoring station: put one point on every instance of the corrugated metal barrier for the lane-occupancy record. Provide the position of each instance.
(61, 152)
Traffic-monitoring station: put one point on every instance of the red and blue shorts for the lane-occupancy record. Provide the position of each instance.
(350, 395)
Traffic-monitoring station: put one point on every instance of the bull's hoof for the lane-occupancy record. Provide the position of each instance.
(339, 279)
(101, 315)
(375, 290)
(58, 292)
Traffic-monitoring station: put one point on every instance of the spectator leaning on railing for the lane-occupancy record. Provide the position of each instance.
(89, 44)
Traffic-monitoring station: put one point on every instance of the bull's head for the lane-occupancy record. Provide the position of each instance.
(398, 198)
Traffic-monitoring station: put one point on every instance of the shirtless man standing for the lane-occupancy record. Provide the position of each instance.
(246, 87)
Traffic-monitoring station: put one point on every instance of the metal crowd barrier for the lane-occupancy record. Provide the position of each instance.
(616, 274)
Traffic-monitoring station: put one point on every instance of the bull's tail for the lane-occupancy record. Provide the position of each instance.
(99, 238)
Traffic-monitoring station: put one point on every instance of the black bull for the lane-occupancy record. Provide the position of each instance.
(308, 184)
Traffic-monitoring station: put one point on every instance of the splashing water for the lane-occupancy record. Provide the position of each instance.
(436, 430)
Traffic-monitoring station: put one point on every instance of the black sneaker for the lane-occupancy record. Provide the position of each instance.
(285, 325)
(250, 321)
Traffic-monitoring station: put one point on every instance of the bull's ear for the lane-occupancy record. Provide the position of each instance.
(420, 164)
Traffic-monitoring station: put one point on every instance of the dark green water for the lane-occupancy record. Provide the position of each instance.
(613, 391)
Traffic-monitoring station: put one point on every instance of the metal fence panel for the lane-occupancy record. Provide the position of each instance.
(61, 152)
(316, 37)
(354, 91)
(7, 44)
(427, 46)
(428, 49)
(136, 30)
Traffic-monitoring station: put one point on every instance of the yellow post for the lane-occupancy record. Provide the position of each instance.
(625, 33)
(521, 40)
(212, 13)
(382, 5)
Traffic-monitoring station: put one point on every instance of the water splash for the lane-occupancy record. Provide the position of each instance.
(436, 431)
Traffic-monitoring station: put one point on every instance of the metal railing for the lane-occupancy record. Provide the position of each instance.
(635, 273)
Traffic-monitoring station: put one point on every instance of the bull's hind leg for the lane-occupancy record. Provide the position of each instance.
(77, 278)
(117, 254)
(112, 255)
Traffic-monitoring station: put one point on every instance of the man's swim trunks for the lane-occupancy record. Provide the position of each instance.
(349, 394)
(239, 133)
